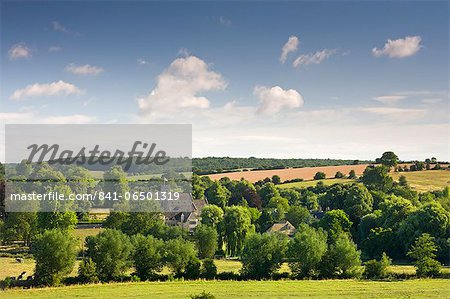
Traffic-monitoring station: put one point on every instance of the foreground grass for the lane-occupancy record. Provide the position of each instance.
(426, 288)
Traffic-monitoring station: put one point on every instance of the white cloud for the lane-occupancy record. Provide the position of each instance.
(57, 26)
(225, 21)
(274, 99)
(389, 99)
(54, 49)
(314, 58)
(399, 48)
(19, 51)
(84, 69)
(141, 61)
(69, 119)
(180, 87)
(431, 101)
(59, 88)
(290, 46)
(398, 114)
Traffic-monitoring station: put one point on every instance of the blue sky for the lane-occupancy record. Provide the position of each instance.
(343, 89)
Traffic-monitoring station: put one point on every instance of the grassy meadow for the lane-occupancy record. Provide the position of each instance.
(417, 288)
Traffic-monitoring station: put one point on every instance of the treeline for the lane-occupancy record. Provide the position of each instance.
(212, 165)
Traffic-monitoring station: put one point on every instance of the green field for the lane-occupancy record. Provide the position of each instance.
(427, 288)
(425, 180)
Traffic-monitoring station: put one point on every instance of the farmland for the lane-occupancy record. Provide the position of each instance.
(423, 288)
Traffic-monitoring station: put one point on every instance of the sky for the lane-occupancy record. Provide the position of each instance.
(294, 79)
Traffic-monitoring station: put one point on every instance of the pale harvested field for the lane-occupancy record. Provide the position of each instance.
(306, 173)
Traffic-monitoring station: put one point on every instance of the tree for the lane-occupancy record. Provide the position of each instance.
(389, 159)
(291, 195)
(236, 225)
(263, 254)
(87, 271)
(268, 191)
(402, 181)
(147, 256)
(339, 175)
(206, 239)
(209, 269)
(335, 222)
(55, 253)
(111, 251)
(319, 175)
(57, 220)
(377, 269)
(211, 215)
(115, 181)
(352, 174)
(298, 215)
(218, 194)
(377, 178)
(358, 202)
(424, 251)
(177, 255)
(306, 250)
(20, 226)
(140, 223)
(342, 260)
(276, 179)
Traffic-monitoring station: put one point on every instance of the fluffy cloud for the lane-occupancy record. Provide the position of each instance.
(399, 48)
(225, 21)
(19, 51)
(141, 61)
(290, 46)
(274, 99)
(84, 69)
(59, 88)
(314, 58)
(180, 85)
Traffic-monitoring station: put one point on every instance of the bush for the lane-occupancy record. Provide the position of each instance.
(206, 240)
(377, 269)
(209, 269)
(55, 253)
(339, 175)
(87, 272)
(110, 250)
(177, 255)
(319, 175)
(192, 270)
(5, 283)
(424, 251)
(203, 295)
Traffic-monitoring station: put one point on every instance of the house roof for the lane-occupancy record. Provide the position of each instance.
(284, 227)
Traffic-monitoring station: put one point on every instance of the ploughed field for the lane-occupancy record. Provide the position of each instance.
(414, 288)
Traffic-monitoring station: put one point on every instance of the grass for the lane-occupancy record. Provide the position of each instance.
(420, 288)
(82, 233)
(306, 184)
(427, 180)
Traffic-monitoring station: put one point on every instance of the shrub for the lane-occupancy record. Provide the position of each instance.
(209, 269)
(424, 251)
(206, 240)
(87, 271)
(55, 253)
(110, 250)
(5, 283)
(319, 175)
(203, 295)
(339, 175)
(177, 255)
(192, 270)
(377, 269)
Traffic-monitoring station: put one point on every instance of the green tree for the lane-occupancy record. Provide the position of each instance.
(209, 269)
(57, 220)
(263, 254)
(335, 222)
(177, 255)
(377, 178)
(54, 252)
(237, 224)
(87, 271)
(319, 175)
(358, 202)
(218, 194)
(402, 181)
(211, 215)
(352, 174)
(342, 259)
(111, 251)
(424, 251)
(298, 215)
(306, 250)
(20, 226)
(389, 159)
(206, 239)
(276, 179)
(147, 256)
(377, 269)
(268, 191)
(339, 175)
